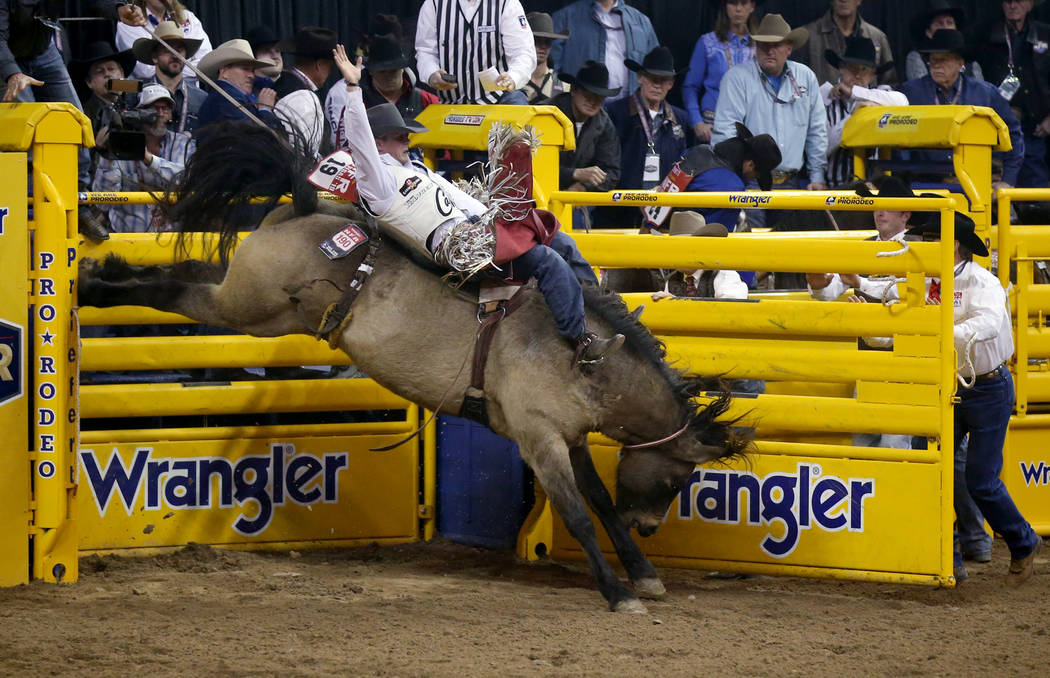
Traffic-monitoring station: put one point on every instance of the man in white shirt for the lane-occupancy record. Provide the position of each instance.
(423, 210)
(458, 39)
(983, 345)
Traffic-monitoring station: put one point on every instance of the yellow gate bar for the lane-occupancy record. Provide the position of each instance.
(149, 353)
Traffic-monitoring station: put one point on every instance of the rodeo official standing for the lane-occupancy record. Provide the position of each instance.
(983, 344)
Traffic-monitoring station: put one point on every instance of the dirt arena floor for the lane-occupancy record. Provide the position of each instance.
(442, 609)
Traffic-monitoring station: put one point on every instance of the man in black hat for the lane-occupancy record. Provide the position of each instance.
(263, 42)
(983, 347)
(312, 47)
(858, 67)
(100, 64)
(937, 15)
(425, 213)
(946, 84)
(1015, 57)
(595, 164)
(652, 132)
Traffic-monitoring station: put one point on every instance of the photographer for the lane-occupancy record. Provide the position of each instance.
(163, 157)
(101, 64)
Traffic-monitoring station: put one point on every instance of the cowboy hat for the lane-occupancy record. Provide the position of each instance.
(386, 119)
(965, 233)
(166, 31)
(542, 26)
(860, 51)
(761, 149)
(945, 41)
(312, 42)
(235, 51)
(593, 76)
(385, 54)
(659, 61)
(688, 222)
(773, 28)
(894, 186)
(261, 36)
(101, 51)
(934, 8)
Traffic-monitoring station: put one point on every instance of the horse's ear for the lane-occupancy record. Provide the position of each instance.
(699, 453)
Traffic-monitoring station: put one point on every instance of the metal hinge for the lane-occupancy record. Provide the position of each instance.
(426, 511)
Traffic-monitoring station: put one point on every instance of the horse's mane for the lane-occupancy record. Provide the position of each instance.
(236, 175)
(611, 309)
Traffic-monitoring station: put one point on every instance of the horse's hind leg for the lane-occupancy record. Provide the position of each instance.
(550, 460)
(640, 571)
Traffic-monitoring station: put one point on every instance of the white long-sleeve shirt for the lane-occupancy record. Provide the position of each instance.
(375, 183)
(472, 24)
(873, 288)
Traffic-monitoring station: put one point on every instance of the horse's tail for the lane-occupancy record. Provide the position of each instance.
(236, 175)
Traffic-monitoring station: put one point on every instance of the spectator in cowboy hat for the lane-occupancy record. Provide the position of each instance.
(983, 346)
(946, 84)
(168, 71)
(263, 42)
(100, 64)
(936, 15)
(383, 80)
(232, 67)
(544, 82)
(595, 164)
(774, 96)
(857, 66)
(312, 47)
(699, 283)
(830, 31)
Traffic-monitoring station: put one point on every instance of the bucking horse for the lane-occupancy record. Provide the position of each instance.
(413, 332)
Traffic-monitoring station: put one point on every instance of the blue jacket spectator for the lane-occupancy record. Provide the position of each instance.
(608, 31)
(232, 66)
(715, 53)
(945, 85)
(659, 133)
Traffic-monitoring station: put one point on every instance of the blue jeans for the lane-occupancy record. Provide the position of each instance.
(514, 97)
(970, 535)
(559, 287)
(983, 412)
(49, 68)
(566, 248)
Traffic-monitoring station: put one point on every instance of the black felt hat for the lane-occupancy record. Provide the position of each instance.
(762, 149)
(965, 233)
(659, 61)
(945, 41)
(934, 8)
(385, 119)
(261, 36)
(860, 51)
(312, 42)
(385, 54)
(98, 51)
(593, 76)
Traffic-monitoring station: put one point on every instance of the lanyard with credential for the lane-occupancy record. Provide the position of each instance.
(643, 117)
(768, 86)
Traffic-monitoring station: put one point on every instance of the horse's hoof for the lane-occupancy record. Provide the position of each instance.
(630, 606)
(651, 588)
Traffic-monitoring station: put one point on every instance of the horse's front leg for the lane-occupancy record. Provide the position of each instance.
(640, 571)
(550, 460)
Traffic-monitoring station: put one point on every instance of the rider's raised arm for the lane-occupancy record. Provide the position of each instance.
(375, 182)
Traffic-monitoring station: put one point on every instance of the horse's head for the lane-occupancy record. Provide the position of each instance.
(648, 480)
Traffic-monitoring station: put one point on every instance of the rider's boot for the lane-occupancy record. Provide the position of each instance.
(591, 351)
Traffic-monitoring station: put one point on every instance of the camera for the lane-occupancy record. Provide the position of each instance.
(125, 140)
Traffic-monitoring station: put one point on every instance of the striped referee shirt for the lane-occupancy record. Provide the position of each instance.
(465, 37)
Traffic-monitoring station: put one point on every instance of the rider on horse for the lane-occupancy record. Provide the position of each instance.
(431, 217)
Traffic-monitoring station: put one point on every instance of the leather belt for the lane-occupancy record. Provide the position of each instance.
(780, 176)
(988, 376)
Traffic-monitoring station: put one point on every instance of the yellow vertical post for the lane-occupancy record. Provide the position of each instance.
(428, 510)
(1025, 277)
(14, 371)
(57, 137)
(948, 362)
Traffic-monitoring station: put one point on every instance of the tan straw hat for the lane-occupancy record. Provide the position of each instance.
(166, 31)
(230, 52)
(693, 223)
(774, 29)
